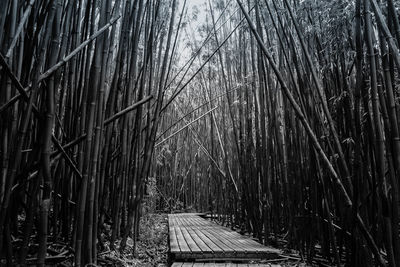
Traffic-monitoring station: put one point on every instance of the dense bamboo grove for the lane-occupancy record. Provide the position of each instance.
(282, 120)
(290, 131)
(82, 87)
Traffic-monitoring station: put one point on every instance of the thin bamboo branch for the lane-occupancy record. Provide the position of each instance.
(61, 63)
(20, 27)
(184, 127)
(128, 109)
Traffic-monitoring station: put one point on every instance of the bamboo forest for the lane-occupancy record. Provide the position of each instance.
(188, 133)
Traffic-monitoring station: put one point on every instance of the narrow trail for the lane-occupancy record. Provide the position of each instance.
(193, 238)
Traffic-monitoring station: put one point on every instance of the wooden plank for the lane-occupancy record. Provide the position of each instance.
(189, 240)
(204, 243)
(173, 242)
(217, 235)
(213, 247)
(244, 242)
(199, 242)
(228, 241)
(227, 251)
(181, 241)
(247, 243)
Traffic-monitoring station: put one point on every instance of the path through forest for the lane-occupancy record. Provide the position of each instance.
(193, 238)
(280, 116)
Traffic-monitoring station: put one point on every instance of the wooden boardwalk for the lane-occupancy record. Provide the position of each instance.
(193, 238)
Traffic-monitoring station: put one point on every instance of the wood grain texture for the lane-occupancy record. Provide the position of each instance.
(192, 237)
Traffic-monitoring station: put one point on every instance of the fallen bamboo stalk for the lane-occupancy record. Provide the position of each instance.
(202, 105)
(184, 127)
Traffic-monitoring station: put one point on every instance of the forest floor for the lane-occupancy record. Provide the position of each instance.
(151, 249)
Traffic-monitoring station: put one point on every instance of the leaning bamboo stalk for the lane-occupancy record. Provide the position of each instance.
(50, 71)
(128, 109)
(224, 154)
(190, 61)
(78, 49)
(69, 145)
(395, 19)
(201, 67)
(13, 77)
(20, 27)
(389, 38)
(65, 155)
(225, 82)
(184, 127)
(207, 153)
(198, 107)
(25, 96)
